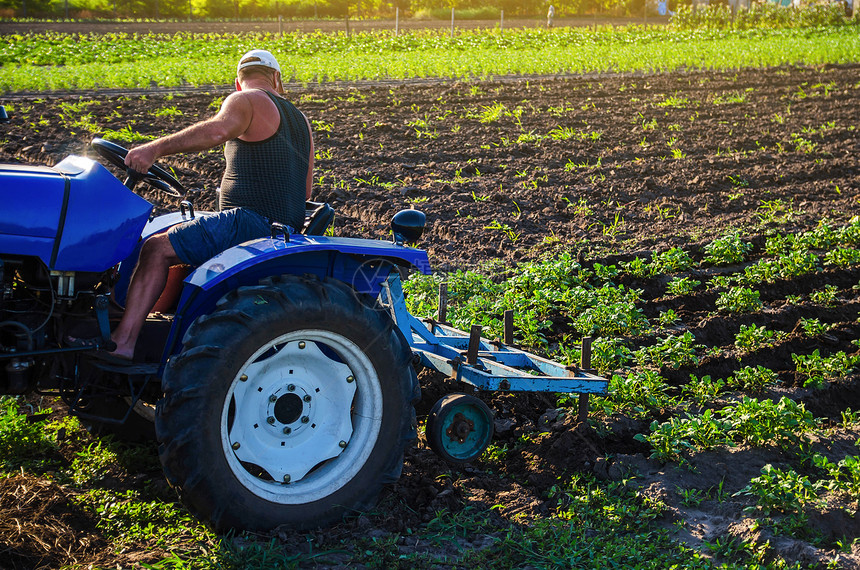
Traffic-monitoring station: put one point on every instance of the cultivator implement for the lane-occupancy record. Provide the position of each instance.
(460, 426)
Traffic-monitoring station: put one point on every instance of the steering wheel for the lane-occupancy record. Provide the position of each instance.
(157, 177)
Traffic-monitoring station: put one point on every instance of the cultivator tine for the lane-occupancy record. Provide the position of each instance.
(585, 356)
(509, 327)
(488, 364)
(474, 344)
(442, 317)
(585, 363)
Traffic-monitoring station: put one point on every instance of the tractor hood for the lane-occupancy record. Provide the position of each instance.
(75, 216)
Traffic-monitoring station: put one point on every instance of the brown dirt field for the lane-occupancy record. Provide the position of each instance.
(609, 168)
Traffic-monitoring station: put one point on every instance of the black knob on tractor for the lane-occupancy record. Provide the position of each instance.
(408, 225)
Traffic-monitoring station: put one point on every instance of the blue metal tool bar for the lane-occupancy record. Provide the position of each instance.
(497, 366)
(502, 353)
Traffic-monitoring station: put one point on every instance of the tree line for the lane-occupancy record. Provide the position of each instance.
(306, 9)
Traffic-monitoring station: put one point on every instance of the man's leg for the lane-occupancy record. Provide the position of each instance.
(147, 283)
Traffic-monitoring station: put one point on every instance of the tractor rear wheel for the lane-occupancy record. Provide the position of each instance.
(291, 404)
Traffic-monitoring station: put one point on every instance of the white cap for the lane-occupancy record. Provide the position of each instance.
(258, 57)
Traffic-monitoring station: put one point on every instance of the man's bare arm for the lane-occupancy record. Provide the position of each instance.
(232, 121)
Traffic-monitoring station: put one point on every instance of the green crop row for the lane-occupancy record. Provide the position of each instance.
(560, 289)
(52, 61)
(765, 15)
(751, 421)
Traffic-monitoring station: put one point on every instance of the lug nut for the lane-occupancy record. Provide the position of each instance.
(307, 398)
(273, 398)
(271, 420)
(236, 445)
(305, 419)
(288, 430)
(291, 387)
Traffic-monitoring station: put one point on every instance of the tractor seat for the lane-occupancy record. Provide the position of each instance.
(318, 217)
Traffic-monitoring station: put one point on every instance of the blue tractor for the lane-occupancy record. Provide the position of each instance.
(280, 375)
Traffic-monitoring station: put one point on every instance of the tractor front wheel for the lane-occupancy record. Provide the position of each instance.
(291, 404)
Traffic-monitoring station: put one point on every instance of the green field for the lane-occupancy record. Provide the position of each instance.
(38, 62)
(113, 495)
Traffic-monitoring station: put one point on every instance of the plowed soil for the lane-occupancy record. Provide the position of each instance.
(609, 167)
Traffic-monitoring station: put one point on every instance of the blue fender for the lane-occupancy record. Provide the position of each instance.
(362, 264)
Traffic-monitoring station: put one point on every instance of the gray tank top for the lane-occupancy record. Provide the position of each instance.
(269, 176)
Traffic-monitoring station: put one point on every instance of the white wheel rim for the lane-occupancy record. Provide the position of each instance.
(298, 422)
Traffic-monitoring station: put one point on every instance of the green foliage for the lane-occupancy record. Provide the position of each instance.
(126, 135)
(129, 518)
(739, 300)
(762, 422)
(682, 286)
(842, 257)
(753, 379)
(172, 111)
(668, 317)
(792, 264)
(768, 15)
(670, 439)
(823, 236)
(780, 490)
(534, 291)
(797, 263)
(844, 475)
(610, 310)
(599, 525)
(777, 211)
(92, 462)
(672, 351)
(586, 503)
(812, 327)
(637, 267)
(752, 421)
(819, 369)
(727, 250)
(638, 394)
(753, 337)
(670, 261)
(22, 443)
(610, 353)
(702, 390)
(53, 61)
(493, 113)
(826, 296)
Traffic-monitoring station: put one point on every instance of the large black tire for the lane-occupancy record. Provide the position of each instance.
(291, 404)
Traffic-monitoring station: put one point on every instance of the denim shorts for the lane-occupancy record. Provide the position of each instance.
(204, 237)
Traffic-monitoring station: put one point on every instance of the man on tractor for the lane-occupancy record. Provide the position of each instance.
(269, 154)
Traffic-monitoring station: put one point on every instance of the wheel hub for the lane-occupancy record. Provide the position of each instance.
(292, 410)
(288, 408)
(460, 427)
